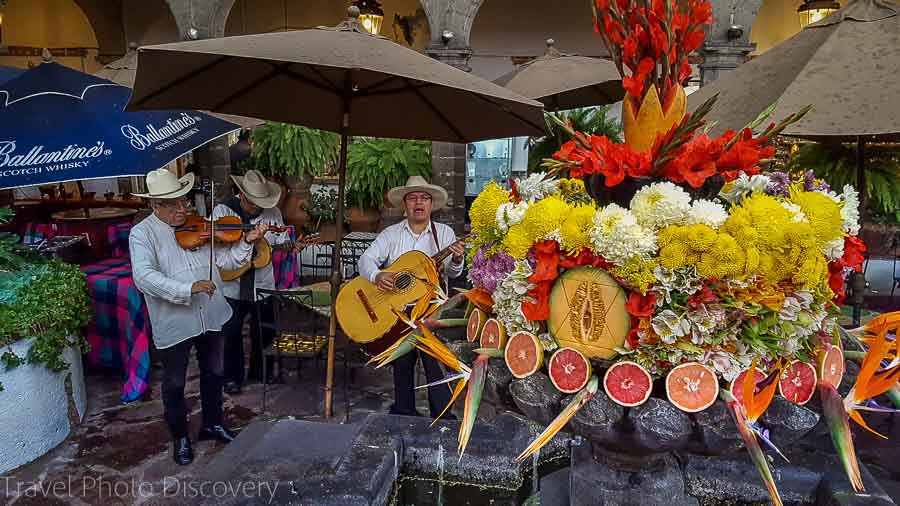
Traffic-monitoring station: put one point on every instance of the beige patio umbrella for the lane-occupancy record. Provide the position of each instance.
(566, 81)
(846, 65)
(123, 71)
(340, 79)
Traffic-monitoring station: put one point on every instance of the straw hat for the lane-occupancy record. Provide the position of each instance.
(258, 190)
(418, 184)
(162, 184)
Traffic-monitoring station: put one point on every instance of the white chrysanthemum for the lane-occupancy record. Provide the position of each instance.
(734, 192)
(618, 237)
(510, 214)
(508, 299)
(850, 210)
(797, 214)
(660, 204)
(834, 249)
(707, 212)
(534, 187)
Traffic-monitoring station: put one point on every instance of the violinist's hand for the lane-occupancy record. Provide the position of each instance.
(207, 287)
(257, 233)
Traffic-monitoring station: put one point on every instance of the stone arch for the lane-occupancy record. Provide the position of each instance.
(405, 20)
(105, 17)
(149, 22)
(507, 32)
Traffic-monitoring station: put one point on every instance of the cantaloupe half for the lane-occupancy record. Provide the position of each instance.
(587, 312)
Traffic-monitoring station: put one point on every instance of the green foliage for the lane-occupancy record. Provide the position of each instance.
(280, 149)
(376, 165)
(10, 251)
(323, 204)
(836, 164)
(587, 120)
(51, 308)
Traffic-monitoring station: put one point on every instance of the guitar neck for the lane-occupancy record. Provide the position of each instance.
(442, 255)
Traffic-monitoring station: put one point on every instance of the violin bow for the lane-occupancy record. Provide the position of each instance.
(212, 228)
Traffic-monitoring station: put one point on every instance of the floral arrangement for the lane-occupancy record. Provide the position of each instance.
(671, 257)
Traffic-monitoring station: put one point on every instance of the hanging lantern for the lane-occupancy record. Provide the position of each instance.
(370, 15)
(813, 11)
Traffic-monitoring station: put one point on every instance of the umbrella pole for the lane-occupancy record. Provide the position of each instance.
(861, 174)
(336, 271)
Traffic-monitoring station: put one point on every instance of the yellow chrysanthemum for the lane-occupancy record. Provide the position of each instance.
(637, 273)
(823, 213)
(762, 214)
(483, 213)
(540, 219)
(724, 260)
(575, 231)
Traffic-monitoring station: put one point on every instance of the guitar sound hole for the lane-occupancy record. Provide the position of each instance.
(403, 281)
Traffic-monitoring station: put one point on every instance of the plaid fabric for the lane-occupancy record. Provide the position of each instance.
(117, 238)
(37, 232)
(284, 263)
(119, 333)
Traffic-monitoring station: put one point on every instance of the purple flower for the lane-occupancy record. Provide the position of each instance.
(778, 184)
(487, 272)
(810, 184)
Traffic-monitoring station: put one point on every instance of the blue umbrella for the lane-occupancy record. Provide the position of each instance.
(58, 124)
(7, 73)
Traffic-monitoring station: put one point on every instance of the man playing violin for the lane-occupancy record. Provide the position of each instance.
(417, 232)
(256, 202)
(186, 308)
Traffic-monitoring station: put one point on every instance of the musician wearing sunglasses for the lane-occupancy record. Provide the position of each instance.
(256, 201)
(186, 308)
(417, 232)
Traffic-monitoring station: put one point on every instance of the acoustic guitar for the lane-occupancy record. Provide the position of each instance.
(366, 312)
(262, 256)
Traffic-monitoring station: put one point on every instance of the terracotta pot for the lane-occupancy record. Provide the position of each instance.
(363, 220)
(328, 231)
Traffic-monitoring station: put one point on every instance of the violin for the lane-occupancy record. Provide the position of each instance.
(195, 231)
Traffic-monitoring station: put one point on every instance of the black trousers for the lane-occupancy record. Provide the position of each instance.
(210, 353)
(234, 339)
(404, 384)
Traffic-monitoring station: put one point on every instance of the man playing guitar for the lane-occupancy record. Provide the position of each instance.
(417, 232)
(256, 202)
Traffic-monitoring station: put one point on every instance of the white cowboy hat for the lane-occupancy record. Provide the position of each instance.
(418, 184)
(258, 190)
(162, 184)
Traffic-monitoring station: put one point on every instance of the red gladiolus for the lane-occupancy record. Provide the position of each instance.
(546, 254)
(836, 281)
(853, 252)
(537, 305)
(641, 305)
(632, 337)
(693, 41)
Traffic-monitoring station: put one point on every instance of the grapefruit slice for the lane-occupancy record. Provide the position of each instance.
(692, 387)
(798, 382)
(627, 384)
(569, 370)
(524, 354)
(831, 365)
(476, 323)
(493, 335)
(587, 312)
(737, 384)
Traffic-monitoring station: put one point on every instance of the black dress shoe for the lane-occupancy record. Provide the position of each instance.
(182, 452)
(218, 433)
(232, 388)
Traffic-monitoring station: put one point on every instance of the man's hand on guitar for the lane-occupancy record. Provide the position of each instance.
(459, 250)
(257, 233)
(385, 281)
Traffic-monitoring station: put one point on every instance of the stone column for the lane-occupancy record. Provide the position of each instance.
(451, 24)
(205, 19)
(727, 42)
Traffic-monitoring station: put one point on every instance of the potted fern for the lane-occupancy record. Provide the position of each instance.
(294, 155)
(374, 166)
